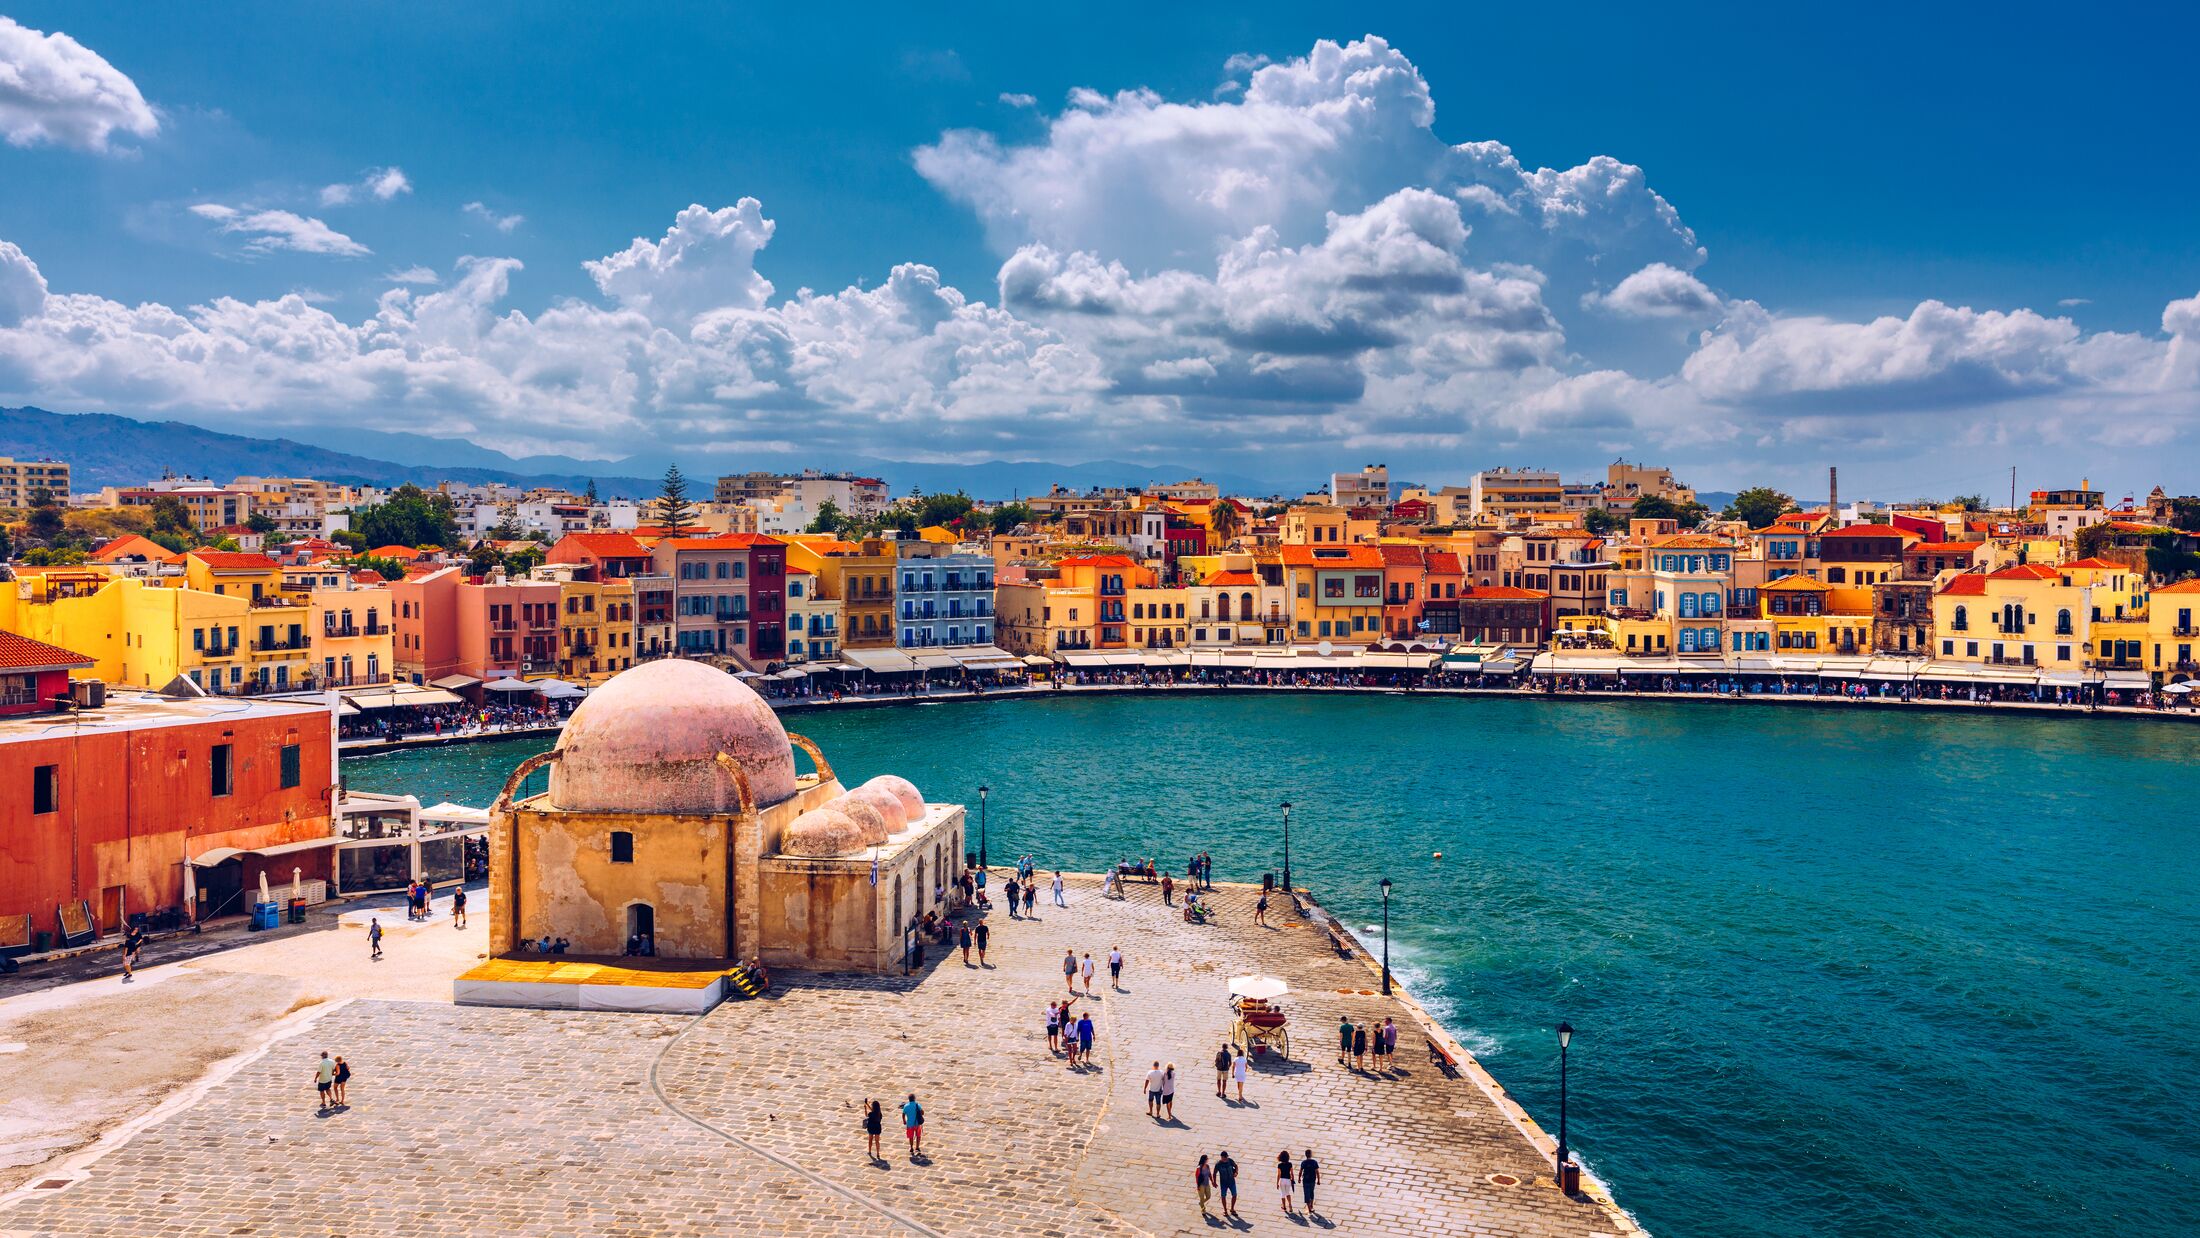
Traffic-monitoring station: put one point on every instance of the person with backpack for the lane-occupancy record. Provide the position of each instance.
(912, 1125)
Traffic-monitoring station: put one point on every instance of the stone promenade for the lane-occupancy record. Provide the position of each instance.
(474, 1121)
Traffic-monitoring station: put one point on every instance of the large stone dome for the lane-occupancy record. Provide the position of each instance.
(648, 741)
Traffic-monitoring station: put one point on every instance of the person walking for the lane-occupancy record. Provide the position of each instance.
(1059, 901)
(1168, 891)
(966, 941)
(1203, 1181)
(1226, 1183)
(133, 940)
(1069, 970)
(1386, 1044)
(1115, 968)
(1286, 1178)
(1153, 1091)
(1012, 890)
(912, 1125)
(1168, 1091)
(1344, 1039)
(324, 1080)
(1084, 1037)
(343, 1076)
(874, 1125)
(1240, 1066)
(458, 907)
(1310, 1172)
(1085, 969)
(1260, 910)
(374, 939)
(982, 933)
(1222, 1072)
(1359, 1046)
(1031, 896)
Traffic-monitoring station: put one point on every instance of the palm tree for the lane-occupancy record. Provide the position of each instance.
(1222, 521)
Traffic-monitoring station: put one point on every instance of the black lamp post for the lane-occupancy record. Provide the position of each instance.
(1565, 1037)
(1386, 937)
(1287, 846)
(982, 789)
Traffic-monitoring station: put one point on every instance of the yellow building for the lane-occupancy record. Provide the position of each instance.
(2171, 632)
(232, 574)
(858, 575)
(1336, 592)
(1157, 618)
(143, 636)
(352, 636)
(2037, 615)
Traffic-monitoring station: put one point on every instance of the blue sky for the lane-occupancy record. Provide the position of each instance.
(2029, 169)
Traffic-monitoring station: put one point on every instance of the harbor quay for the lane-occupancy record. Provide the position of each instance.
(471, 1120)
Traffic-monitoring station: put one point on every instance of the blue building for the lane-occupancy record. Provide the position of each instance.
(944, 595)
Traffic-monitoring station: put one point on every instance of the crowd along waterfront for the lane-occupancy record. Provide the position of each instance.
(1832, 971)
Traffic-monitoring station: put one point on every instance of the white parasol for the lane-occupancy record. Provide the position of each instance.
(1264, 988)
(265, 897)
(297, 885)
(2178, 688)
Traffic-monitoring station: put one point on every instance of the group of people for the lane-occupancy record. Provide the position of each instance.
(436, 721)
(1906, 691)
(912, 1126)
(1070, 1032)
(1364, 1047)
(1221, 1178)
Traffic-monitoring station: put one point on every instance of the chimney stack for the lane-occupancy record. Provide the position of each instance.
(1833, 494)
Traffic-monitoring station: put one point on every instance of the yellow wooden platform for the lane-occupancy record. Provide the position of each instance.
(627, 972)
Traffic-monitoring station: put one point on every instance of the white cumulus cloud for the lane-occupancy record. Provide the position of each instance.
(269, 230)
(1657, 291)
(501, 222)
(382, 184)
(55, 90)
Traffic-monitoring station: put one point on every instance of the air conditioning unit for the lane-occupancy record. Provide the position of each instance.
(89, 693)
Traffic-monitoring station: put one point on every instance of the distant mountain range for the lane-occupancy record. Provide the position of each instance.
(104, 449)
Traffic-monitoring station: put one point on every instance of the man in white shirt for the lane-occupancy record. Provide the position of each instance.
(1115, 967)
(1153, 1091)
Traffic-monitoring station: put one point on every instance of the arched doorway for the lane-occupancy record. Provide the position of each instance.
(641, 925)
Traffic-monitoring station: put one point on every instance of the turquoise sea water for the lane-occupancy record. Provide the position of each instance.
(1834, 972)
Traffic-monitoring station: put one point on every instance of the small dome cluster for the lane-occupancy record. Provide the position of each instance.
(868, 815)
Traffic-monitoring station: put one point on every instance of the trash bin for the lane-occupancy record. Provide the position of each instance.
(41, 941)
(264, 916)
(297, 911)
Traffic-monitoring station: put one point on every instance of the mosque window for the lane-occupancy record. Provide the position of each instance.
(622, 847)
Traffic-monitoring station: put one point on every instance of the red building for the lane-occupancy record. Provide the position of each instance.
(33, 674)
(107, 806)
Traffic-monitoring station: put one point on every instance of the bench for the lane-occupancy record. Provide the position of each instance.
(1336, 943)
(1441, 1058)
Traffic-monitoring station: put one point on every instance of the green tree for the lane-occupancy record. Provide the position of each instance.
(260, 523)
(350, 539)
(590, 493)
(1970, 502)
(390, 569)
(2090, 540)
(45, 520)
(1656, 507)
(484, 558)
(46, 556)
(828, 519)
(1599, 520)
(507, 527)
(224, 543)
(169, 515)
(521, 560)
(7, 544)
(2184, 513)
(1757, 506)
(944, 510)
(409, 517)
(1007, 516)
(674, 511)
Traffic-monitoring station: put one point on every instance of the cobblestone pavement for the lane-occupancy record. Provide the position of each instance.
(479, 1121)
(1019, 1143)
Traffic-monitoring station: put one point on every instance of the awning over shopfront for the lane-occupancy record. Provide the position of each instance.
(559, 690)
(221, 855)
(990, 658)
(1171, 658)
(1970, 672)
(2125, 680)
(1843, 667)
(1037, 661)
(1650, 667)
(1083, 659)
(392, 696)
(1397, 661)
(453, 683)
(880, 661)
(935, 661)
(1546, 664)
(1892, 670)
(1499, 666)
(2061, 679)
(1126, 659)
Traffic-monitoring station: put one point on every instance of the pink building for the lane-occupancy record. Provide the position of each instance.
(488, 628)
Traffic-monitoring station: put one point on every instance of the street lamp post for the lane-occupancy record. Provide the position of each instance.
(1287, 846)
(982, 789)
(1565, 1037)
(1386, 937)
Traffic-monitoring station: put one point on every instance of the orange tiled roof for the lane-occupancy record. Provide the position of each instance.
(21, 653)
(1945, 548)
(1800, 583)
(2191, 585)
(393, 551)
(2026, 571)
(1970, 584)
(609, 545)
(130, 545)
(1099, 561)
(1692, 541)
(1444, 563)
(232, 560)
(1296, 555)
(1503, 593)
(1233, 579)
(2098, 565)
(1868, 530)
(1395, 555)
